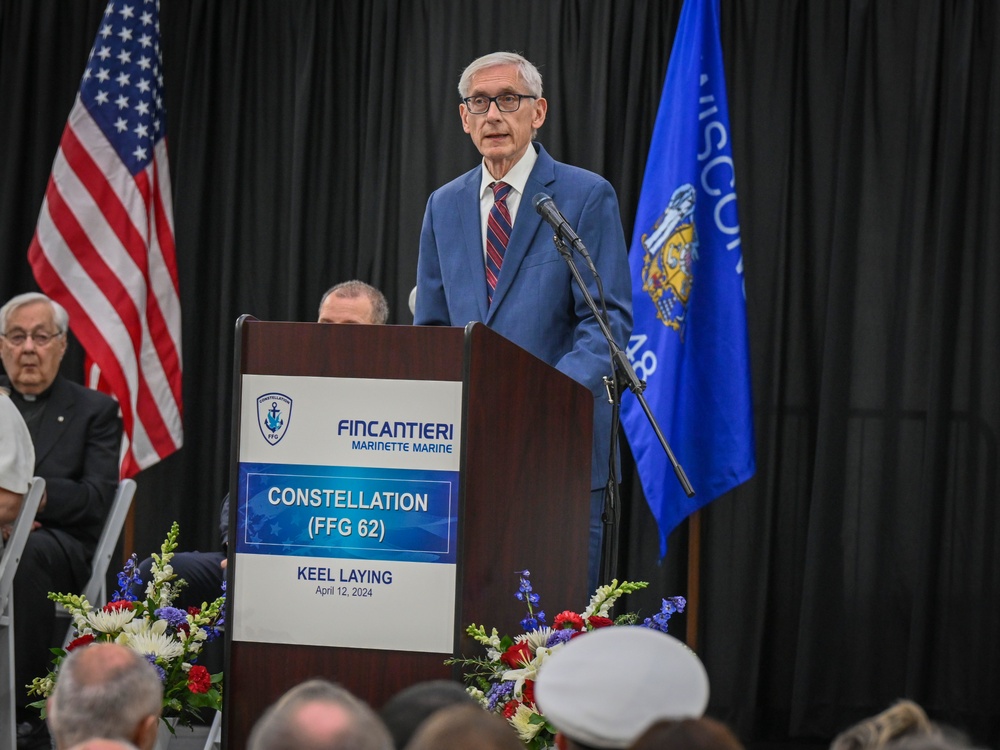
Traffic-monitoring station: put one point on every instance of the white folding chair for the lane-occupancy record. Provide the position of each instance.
(11, 556)
(96, 590)
(214, 738)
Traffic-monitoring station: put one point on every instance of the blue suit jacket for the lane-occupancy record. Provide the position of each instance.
(536, 305)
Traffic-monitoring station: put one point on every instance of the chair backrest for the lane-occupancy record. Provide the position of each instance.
(9, 558)
(14, 546)
(96, 590)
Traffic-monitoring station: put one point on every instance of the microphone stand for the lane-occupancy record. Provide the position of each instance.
(625, 375)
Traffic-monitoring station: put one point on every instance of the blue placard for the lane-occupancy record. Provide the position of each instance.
(348, 512)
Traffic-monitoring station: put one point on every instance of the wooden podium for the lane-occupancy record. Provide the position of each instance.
(523, 489)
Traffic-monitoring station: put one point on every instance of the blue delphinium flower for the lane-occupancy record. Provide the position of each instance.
(500, 692)
(128, 581)
(534, 620)
(660, 619)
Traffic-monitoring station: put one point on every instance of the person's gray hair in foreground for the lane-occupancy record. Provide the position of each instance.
(105, 691)
(319, 715)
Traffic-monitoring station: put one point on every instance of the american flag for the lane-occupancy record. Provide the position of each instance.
(104, 244)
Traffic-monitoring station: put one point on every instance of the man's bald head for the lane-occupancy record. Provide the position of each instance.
(108, 691)
(319, 715)
(353, 302)
(103, 744)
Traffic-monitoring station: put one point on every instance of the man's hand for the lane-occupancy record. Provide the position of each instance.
(10, 506)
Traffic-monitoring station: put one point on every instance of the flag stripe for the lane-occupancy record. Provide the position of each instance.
(116, 338)
(104, 243)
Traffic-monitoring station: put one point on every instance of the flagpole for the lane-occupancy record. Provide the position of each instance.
(624, 373)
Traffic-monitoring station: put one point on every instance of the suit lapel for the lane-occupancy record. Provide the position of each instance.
(467, 208)
(59, 412)
(525, 227)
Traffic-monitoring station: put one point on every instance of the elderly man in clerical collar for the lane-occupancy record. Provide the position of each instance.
(76, 433)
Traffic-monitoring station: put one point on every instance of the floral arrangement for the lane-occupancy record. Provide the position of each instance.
(504, 681)
(169, 638)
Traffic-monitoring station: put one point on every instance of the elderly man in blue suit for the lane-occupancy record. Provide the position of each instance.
(486, 256)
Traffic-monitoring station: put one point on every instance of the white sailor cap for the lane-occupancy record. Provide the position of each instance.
(606, 687)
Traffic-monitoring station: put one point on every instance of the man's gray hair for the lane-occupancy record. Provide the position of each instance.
(280, 728)
(59, 315)
(355, 288)
(108, 703)
(529, 73)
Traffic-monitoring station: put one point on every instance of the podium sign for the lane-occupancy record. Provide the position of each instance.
(347, 512)
(386, 484)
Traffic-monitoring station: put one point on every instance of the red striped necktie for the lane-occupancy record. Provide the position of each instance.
(498, 227)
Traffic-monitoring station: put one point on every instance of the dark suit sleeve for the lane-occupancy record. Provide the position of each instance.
(588, 360)
(432, 306)
(81, 497)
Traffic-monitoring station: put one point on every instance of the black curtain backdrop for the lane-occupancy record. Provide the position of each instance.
(858, 566)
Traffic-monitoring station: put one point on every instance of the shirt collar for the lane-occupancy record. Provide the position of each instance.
(517, 177)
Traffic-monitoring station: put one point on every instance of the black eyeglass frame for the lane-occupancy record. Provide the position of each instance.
(495, 100)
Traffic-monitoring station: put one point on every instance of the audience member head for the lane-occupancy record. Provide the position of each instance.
(353, 302)
(946, 739)
(103, 744)
(105, 691)
(644, 676)
(33, 329)
(902, 719)
(688, 734)
(459, 727)
(319, 715)
(408, 708)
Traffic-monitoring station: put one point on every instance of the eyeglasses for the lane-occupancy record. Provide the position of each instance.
(480, 105)
(41, 338)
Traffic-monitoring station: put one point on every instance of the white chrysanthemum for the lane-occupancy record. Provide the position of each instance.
(111, 621)
(150, 638)
(536, 638)
(521, 721)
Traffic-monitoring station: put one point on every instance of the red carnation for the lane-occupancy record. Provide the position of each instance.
(120, 604)
(194, 610)
(600, 622)
(199, 680)
(83, 640)
(517, 655)
(528, 693)
(568, 621)
(510, 708)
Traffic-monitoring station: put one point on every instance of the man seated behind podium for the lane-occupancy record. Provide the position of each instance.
(77, 436)
(344, 303)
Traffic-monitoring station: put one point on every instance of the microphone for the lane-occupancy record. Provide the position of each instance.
(546, 207)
